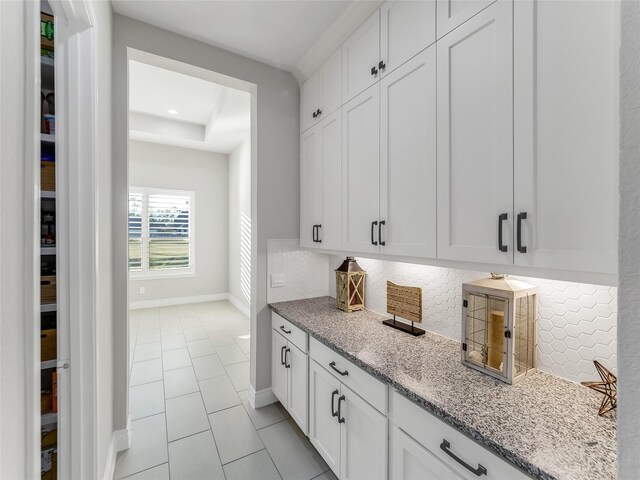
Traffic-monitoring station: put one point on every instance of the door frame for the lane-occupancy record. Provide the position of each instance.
(76, 204)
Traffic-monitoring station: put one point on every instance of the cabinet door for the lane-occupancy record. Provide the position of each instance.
(308, 102)
(360, 171)
(475, 138)
(324, 429)
(278, 370)
(411, 461)
(363, 439)
(311, 185)
(408, 157)
(361, 53)
(406, 28)
(330, 84)
(298, 372)
(452, 13)
(566, 134)
(330, 147)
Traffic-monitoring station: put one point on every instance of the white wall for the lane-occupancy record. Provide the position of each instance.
(104, 318)
(240, 223)
(275, 175)
(577, 322)
(629, 246)
(163, 166)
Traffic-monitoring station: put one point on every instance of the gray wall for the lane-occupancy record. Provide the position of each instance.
(629, 246)
(239, 205)
(276, 182)
(205, 173)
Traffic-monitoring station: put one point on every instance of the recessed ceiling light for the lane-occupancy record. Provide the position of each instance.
(172, 111)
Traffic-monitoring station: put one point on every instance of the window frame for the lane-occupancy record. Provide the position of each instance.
(145, 272)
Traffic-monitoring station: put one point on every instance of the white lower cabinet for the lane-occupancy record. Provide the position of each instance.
(363, 438)
(289, 378)
(349, 433)
(438, 448)
(408, 460)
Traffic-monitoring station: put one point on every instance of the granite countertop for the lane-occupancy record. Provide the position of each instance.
(546, 426)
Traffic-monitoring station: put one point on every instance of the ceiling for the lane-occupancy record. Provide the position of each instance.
(206, 115)
(277, 32)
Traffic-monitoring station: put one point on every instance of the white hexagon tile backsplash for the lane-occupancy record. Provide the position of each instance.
(577, 322)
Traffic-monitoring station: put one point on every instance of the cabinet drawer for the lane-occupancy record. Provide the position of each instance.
(292, 333)
(372, 390)
(431, 432)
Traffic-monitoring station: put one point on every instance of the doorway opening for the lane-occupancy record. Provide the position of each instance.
(190, 257)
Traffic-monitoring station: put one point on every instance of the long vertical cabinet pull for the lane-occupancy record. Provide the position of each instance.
(286, 365)
(318, 227)
(521, 248)
(501, 219)
(373, 224)
(382, 222)
(334, 412)
(313, 234)
(341, 419)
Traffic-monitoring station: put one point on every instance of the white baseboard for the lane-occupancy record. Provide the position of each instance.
(120, 441)
(261, 398)
(167, 302)
(239, 305)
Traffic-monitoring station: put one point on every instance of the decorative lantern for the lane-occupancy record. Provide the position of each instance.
(499, 327)
(350, 286)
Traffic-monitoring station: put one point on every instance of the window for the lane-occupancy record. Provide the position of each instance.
(160, 232)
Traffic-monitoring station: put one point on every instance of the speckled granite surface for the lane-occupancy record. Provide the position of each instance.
(544, 425)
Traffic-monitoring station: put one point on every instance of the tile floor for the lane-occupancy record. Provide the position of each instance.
(190, 416)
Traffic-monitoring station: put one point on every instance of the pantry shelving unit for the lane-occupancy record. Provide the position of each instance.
(48, 262)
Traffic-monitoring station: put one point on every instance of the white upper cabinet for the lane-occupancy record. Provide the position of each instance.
(329, 234)
(408, 158)
(321, 94)
(320, 185)
(311, 187)
(566, 134)
(475, 139)
(453, 13)
(360, 170)
(361, 58)
(309, 102)
(330, 85)
(406, 28)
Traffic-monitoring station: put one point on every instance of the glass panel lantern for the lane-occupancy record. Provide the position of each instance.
(350, 286)
(499, 327)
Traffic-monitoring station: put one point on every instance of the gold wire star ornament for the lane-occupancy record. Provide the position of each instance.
(608, 387)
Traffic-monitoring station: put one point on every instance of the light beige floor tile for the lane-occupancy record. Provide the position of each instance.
(185, 416)
(146, 372)
(209, 366)
(147, 351)
(195, 458)
(264, 416)
(173, 341)
(146, 400)
(148, 446)
(180, 382)
(195, 333)
(161, 472)
(218, 393)
(291, 451)
(200, 348)
(239, 375)
(231, 354)
(235, 435)
(255, 466)
(173, 359)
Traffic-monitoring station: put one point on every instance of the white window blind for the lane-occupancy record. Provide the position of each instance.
(160, 232)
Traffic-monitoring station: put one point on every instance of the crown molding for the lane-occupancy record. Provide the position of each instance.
(352, 17)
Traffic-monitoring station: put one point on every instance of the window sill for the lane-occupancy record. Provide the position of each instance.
(160, 276)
